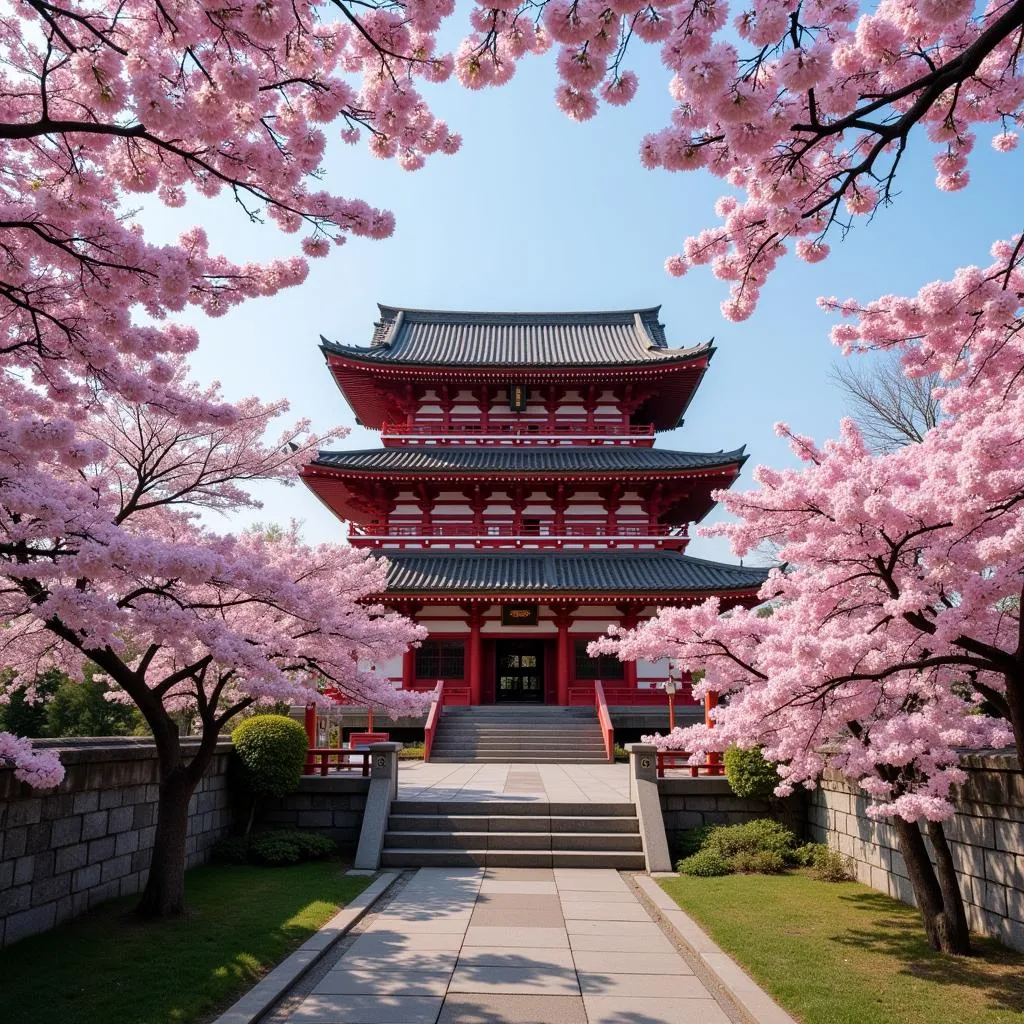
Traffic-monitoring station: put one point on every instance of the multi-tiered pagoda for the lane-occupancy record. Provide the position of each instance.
(519, 498)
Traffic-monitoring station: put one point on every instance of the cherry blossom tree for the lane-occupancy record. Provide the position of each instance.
(895, 639)
(178, 617)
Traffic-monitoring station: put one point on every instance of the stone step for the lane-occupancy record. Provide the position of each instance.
(603, 841)
(602, 824)
(493, 759)
(621, 860)
(514, 747)
(515, 808)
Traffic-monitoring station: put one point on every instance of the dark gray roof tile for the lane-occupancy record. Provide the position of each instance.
(660, 572)
(433, 459)
(423, 336)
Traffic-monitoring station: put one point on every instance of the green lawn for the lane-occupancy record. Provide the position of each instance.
(841, 953)
(107, 968)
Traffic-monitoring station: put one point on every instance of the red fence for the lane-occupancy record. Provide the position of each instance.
(327, 760)
(712, 765)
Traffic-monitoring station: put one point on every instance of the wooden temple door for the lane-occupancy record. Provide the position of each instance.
(520, 672)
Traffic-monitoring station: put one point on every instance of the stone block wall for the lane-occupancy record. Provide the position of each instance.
(331, 805)
(66, 849)
(690, 803)
(986, 837)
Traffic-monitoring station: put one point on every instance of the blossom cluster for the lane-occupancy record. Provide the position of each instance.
(801, 108)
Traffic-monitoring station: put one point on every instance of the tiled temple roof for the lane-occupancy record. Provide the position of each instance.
(648, 572)
(435, 459)
(436, 337)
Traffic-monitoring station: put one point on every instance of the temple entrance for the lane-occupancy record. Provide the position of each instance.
(519, 675)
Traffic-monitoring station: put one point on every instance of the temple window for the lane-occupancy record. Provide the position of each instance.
(604, 667)
(441, 659)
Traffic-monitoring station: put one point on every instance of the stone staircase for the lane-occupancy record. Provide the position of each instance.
(535, 734)
(525, 834)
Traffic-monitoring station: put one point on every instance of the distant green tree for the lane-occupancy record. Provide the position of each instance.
(67, 708)
(25, 717)
(82, 709)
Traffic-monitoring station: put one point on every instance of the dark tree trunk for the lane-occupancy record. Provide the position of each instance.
(164, 894)
(1015, 706)
(937, 894)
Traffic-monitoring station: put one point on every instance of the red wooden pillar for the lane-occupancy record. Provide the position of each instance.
(563, 616)
(408, 669)
(629, 620)
(476, 615)
(309, 720)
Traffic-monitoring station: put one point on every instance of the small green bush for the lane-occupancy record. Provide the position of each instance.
(832, 866)
(274, 848)
(749, 774)
(411, 752)
(272, 751)
(704, 864)
(232, 850)
(691, 840)
(757, 862)
(806, 855)
(759, 835)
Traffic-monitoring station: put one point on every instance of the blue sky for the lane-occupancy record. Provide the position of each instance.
(537, 212)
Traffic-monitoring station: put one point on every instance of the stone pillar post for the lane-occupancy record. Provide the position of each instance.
(643, 791)
(383, 789)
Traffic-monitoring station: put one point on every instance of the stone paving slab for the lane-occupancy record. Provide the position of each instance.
(512, 1009)
(502, 956)
(583, 911)
(621, 943)
(601, 962)
(488, 935)
(631, 986)
(618, 1010)
(371, 1009)
(383, 979)
(500, 980)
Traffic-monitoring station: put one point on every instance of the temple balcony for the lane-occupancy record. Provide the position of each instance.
(508, 535)
(514, 431)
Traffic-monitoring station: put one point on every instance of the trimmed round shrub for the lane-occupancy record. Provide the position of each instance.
(749, 774)
(312, 845)
(704, 864)
(271, 750)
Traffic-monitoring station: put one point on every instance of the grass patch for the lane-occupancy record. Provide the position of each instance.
(841, 953)
(108, 968)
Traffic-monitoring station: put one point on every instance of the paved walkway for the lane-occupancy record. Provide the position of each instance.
(552, 783)
(522, 946)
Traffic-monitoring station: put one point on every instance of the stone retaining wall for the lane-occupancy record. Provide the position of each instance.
(690, 803)
(332, 805)
(986, 837)
(66, 849)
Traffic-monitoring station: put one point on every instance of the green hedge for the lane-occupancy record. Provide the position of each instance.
(749, 774)
(274, 848)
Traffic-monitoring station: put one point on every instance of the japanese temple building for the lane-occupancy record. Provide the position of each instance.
(519, 497)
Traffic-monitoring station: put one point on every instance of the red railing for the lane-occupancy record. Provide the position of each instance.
(324, 760)
(620, 695)
(514, 427)
(364, 739)
(711, 765)
(433, 720)
(468, 529)
(605, 721)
